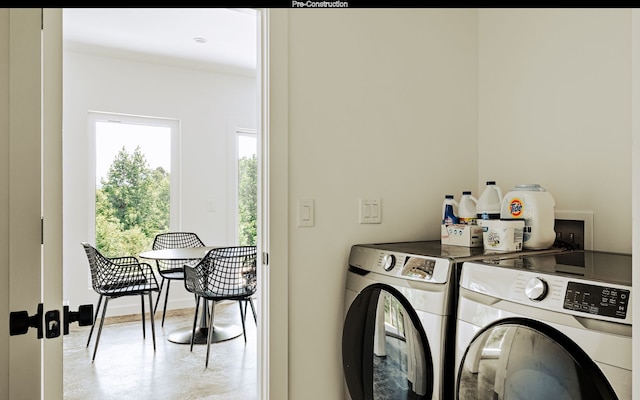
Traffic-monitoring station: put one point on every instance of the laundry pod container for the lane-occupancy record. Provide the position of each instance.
(535, 205)
(502, 234)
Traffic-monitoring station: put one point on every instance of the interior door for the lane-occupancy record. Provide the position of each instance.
(31, 238)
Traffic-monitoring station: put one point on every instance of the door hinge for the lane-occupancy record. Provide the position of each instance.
(41, 230)
(265, 258)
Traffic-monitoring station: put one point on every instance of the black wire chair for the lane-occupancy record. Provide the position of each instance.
(227, 273)
(118, 277)
(172, 269)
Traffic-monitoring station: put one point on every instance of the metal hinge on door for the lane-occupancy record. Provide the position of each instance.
(20, 321)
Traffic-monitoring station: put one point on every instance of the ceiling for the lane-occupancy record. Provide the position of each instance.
(167, 35)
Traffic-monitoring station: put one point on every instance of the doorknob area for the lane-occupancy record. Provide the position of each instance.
(52, 324)
(84, 316)
(48, 324)
(20, 322)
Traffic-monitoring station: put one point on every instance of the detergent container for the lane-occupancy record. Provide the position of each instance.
(449, 210)
(467, 209)
(535, 205)
(489, 202)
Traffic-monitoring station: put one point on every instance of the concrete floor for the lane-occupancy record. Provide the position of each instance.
(126, 366)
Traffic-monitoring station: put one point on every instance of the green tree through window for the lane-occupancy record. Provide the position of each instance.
(247, 200)
(132, 205)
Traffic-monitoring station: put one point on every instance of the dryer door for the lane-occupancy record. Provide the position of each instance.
(519, 358)
(385, 352)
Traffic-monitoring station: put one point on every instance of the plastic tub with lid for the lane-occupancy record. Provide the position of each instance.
(536, 206)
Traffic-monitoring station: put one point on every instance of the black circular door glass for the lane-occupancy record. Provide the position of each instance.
(522, 359)
(385, 352)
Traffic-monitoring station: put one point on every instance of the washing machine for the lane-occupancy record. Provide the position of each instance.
(555, 326)
(400, 302)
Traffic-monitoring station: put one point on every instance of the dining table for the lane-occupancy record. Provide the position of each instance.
(221, 332)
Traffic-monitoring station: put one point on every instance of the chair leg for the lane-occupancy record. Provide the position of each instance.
(153, 328)
(253, 309)
(166, 298)
(144, 334)
(210, 331)
(243, 314)
(195, 319)
(104, 313)
(95, 318)
(158, 297)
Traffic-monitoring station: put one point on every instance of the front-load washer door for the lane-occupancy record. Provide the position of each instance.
(385, 353)
(523, 359)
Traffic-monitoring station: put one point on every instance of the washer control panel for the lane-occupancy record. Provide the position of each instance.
(401, 265)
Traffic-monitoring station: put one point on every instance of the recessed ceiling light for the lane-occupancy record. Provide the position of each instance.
(200, 40)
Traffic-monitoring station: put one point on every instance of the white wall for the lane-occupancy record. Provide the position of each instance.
(203, 101)
(554, 109)
(410, 105)
(382, 103)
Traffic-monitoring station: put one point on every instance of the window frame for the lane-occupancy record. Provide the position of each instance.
(93, 118)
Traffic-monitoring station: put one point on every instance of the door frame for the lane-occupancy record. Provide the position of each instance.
(31, 179)
(36, 371)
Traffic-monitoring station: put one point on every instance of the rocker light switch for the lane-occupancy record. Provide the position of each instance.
(305, 212)
(370, 211)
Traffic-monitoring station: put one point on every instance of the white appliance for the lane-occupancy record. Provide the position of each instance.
(546, 327)
(400, 302)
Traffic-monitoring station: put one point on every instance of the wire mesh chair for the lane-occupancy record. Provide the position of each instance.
(172, 269)
(118, 277)
(227, 273)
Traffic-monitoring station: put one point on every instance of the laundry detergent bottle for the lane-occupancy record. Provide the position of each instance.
(489, 203)
(535, 205)
(467, 209)
(449, 210)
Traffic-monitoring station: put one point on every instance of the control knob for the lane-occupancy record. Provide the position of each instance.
(536, 289)
(388, 262)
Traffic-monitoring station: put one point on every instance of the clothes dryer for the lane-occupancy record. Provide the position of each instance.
(398, 336)
(545, 327)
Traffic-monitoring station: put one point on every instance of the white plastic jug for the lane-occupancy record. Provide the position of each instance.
(490, 201)
(533, 203)
(467, 209)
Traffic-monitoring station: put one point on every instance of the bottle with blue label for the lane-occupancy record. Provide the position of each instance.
(449, 210)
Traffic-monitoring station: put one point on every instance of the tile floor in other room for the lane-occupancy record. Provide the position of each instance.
(127, 368)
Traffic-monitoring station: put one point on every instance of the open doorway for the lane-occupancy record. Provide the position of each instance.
(202, 94)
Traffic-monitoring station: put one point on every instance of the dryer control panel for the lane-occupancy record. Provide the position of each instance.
(578, 297)
(594, 299)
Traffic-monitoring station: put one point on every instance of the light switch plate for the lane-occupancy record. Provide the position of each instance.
(306, 212)
(370, 211)
(211, 205)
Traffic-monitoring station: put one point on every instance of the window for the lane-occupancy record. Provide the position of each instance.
(135, 160)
